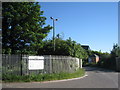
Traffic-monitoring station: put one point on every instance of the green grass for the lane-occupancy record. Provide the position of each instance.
(43, 77)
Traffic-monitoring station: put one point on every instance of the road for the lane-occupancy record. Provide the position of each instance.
(96, 78)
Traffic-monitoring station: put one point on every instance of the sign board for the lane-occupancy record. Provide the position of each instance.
(35, 62)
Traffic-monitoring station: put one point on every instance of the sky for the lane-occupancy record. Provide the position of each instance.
(88, 23)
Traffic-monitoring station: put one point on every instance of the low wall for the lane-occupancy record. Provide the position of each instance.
(57, 64)
(17, 64)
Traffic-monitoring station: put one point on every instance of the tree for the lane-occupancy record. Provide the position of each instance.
(116, 50)
(75, 49)
(63, 47)
(23, 27)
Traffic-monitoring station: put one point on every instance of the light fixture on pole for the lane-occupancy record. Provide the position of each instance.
(54, 31)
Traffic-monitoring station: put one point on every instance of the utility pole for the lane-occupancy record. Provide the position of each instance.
(53, 31)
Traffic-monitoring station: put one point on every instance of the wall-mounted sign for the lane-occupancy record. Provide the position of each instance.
(35, 62)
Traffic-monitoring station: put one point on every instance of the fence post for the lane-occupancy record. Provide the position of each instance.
(50, 64)
(21, 65)
(27, 60)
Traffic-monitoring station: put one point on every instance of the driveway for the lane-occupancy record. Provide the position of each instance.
(96, 78)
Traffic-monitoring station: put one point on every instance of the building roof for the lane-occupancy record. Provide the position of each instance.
(86, 47)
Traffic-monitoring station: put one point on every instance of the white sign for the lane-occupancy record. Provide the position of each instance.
(36, 62)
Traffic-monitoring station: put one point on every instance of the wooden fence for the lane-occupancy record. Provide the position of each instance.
(18, 64)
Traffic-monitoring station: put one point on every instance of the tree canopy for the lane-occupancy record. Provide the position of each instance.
(63, 47)
(23, 27)
(116, 50)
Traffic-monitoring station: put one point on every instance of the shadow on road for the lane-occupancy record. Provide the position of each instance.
(98, 70)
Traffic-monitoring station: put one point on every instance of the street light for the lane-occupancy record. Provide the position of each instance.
(54, 31)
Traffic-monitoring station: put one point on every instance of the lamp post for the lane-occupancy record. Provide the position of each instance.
(53, 31)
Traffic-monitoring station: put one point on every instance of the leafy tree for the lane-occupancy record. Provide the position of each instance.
(76, 50)
(23, 27)
(116, 50)
(60, 48)
(63, 47)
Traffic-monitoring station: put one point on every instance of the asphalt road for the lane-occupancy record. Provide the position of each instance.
(96, 78)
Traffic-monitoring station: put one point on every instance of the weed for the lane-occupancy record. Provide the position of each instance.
(42, 77)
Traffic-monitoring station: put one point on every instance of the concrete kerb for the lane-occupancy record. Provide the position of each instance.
(62, 80)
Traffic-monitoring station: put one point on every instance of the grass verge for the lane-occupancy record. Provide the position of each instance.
(43, 77)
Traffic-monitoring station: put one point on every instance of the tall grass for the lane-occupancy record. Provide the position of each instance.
(42, 77)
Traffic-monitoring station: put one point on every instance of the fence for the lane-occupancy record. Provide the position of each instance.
(11, 64)
(19, 64)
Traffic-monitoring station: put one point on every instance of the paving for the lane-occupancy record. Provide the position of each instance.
(95, 78)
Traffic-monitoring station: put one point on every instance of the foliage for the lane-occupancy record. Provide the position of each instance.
(75, 49)
(99, 53)
(63, 47)
(109, 60)
(116, 50)
(43, 77)
(22, 27)
(104, 60)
